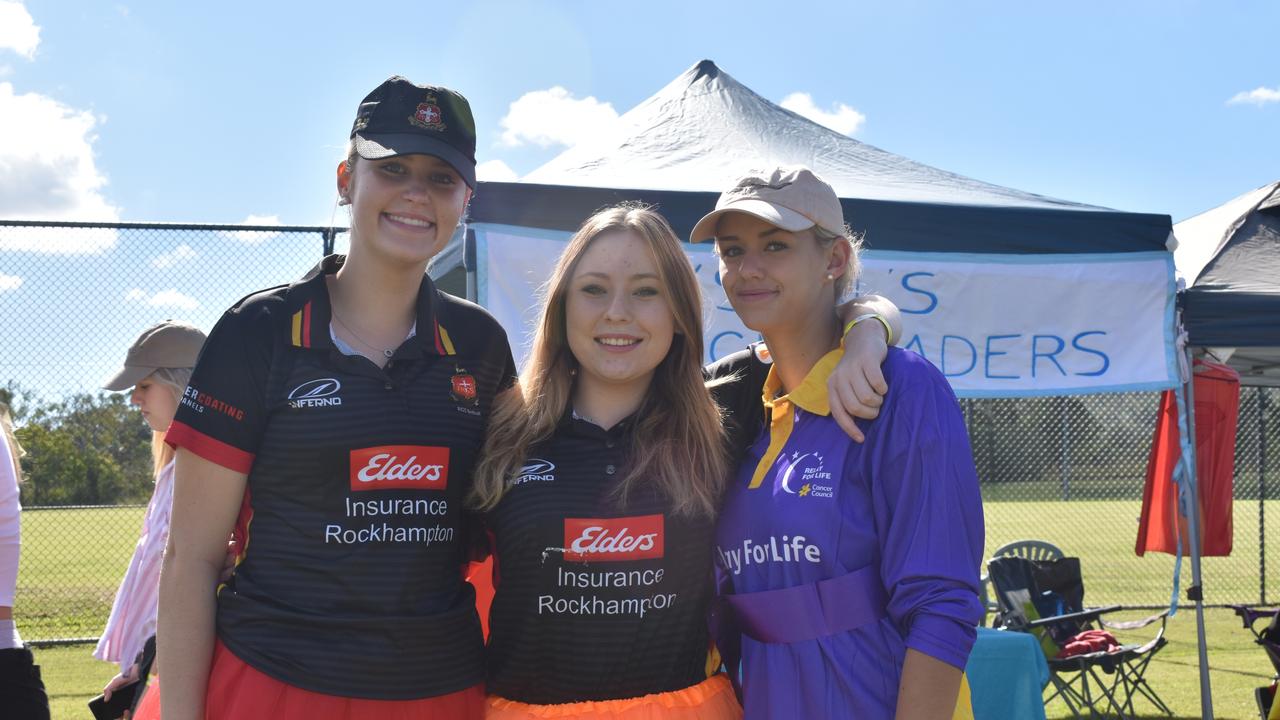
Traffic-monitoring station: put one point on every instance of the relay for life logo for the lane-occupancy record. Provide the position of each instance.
(400, 467)
(613, 539)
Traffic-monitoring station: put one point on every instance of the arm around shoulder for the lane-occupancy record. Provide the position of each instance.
(856, 387)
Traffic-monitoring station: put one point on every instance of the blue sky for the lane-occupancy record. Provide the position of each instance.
(216, 112)
(238, 111)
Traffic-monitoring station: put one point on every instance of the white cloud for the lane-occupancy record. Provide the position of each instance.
(554, 117)
(495, 171)
(842, 118)
(170, 298)
(179, 254)
(9, 282)
(55, 241)
(18, 30)
(1257, 96)
(255, 237)
(48, 172)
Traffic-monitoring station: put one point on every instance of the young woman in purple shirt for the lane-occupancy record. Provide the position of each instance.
(849, 571)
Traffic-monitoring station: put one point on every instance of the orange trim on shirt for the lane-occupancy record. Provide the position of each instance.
(811, 397)
(181, 435)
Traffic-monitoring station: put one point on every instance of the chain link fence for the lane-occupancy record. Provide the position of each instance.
(74, 296)
(1071, 471)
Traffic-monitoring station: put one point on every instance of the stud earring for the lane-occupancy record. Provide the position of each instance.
(830, 277)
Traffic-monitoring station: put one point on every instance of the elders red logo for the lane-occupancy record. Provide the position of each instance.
(613, 539)
(400, 467)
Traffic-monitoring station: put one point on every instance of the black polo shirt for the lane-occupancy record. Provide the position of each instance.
(351, 581)
(743, 374)
(594, 601)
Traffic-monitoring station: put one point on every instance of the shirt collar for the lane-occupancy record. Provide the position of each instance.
(812, 395)
(310, 312)
(574, 424)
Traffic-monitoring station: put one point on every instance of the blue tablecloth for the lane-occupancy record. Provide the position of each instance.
(1007, 674)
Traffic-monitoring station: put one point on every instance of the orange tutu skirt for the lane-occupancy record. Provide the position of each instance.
(711, 699)
(148, 707)
(238, 691)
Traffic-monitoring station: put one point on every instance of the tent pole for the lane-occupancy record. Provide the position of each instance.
(1196, 592)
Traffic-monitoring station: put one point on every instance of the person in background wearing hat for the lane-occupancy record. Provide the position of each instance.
(22, 693)
(337, 420)
(849, 572)
(156, 370)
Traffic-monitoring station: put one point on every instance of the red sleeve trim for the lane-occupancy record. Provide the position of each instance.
(181, 435)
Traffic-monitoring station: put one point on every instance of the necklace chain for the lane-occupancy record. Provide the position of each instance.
(386, 352)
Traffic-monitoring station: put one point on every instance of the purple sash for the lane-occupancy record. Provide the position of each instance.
(813, 610)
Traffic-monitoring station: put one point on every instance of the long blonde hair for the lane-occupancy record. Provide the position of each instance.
(175, 381)
(8, 437)
(678, 441)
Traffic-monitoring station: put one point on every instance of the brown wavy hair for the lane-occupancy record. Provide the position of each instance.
(678, 441)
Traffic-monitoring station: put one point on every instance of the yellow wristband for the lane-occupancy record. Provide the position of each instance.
(888, 330)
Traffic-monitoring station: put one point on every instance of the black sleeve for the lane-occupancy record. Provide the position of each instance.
(223, 410)
(738, 395)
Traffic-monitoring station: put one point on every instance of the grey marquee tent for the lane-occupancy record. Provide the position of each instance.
(1230, 258)
(682, 146)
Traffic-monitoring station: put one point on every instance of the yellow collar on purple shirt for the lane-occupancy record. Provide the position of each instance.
(811, 397)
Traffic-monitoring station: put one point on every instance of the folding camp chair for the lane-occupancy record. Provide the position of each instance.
(1046, 598)
(1269, 638)
(1029, 549)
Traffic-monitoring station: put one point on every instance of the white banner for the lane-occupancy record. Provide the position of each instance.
(996, 325)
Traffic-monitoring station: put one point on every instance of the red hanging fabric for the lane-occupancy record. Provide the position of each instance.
(1217, 409)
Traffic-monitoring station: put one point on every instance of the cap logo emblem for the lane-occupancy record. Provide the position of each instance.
(362, 116)
(754, 185)
(428, 116)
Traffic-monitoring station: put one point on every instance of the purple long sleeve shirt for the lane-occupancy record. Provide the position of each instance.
(906, 501)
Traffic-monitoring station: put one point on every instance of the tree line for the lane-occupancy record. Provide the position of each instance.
(83, 449)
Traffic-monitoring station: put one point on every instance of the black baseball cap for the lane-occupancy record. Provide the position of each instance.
(401, 118)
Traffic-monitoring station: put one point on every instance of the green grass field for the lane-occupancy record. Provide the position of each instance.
(73, 559)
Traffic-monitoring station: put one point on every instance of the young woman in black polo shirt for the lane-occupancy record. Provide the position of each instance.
(339, 417)
(599, 482)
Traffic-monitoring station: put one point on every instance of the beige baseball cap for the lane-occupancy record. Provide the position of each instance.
(170, 344)
(790, 197)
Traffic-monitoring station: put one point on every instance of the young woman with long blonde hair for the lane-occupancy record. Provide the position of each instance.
(599, 485)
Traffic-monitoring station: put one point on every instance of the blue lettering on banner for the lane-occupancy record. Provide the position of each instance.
(917, 346)
(714, 350)
(719, 306)
(993, 353)
(973, 355)
(1036, 354)
(1106, 361)
(906, 285)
